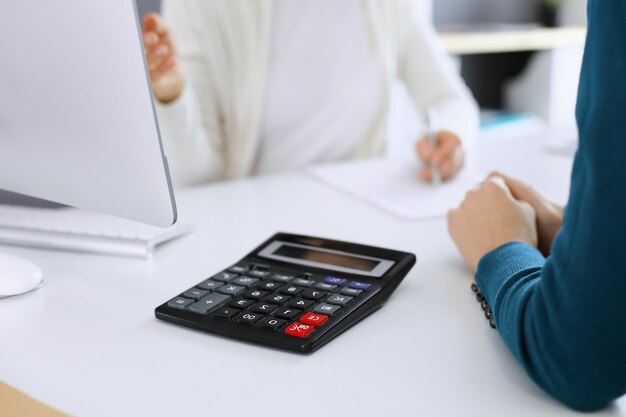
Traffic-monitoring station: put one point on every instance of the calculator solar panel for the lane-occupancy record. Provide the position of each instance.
(292, 292)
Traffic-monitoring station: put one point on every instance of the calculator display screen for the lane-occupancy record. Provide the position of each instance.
(324, 258)
(327, 258)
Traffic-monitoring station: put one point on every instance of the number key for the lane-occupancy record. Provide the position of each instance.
(269, 286)
(255, 294)
(291, 290)
(248, 318)
(241, 303)
(272, 323)
(264, 308)
(313, 294)
(277, 298)
(300, 303)
(287, 313)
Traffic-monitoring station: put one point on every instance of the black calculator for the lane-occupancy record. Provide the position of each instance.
(292, 292)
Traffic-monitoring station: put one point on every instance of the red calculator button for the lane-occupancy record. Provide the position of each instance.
(299, 329)
(314, 319)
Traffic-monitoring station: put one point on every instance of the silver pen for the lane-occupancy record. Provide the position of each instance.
(431, 119)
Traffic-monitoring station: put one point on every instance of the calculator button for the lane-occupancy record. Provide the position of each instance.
(272, 323)
(327, 309)
(210, 285)
(209, 303)
(359, 285)
(258, 273)
(226, 312)
(338, 299)
(238, 269)
(277, 298)
(353, 292)
(291, 290)
(255, 294)
(303, 282)
(314, 319)
(313, 294)
(179, 303)
(225, 277)
(334, 281)
(270, 286)
(300, 303)
(282, 277)
(324, 286)
(231, 289)
(245, 281)
(241, 303)
(195, 294)
(287, 312)
(248, 318)
(299, 329)
(264, 308)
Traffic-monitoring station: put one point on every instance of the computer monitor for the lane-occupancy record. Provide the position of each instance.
(77, 117)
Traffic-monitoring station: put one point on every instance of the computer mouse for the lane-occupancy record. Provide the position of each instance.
(18, 276)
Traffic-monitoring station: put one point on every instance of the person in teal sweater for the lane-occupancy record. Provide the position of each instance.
(556, 285)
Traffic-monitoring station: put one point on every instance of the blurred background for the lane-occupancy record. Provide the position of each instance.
(520, 58)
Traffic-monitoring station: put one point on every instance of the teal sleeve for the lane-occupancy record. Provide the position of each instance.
(564, 318)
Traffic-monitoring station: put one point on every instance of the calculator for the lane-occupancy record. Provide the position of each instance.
(292, 292)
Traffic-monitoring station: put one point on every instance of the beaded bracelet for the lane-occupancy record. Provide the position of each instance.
(483, 304)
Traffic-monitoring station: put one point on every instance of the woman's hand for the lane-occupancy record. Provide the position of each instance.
(165, 73)
(448, 156)
(488, 218)
(549, 215)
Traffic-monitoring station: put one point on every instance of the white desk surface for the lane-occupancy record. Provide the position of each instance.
(88, 343)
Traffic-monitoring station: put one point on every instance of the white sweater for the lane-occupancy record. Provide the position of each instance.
(213, 130)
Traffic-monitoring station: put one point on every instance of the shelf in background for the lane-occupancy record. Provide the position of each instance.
(508, 38)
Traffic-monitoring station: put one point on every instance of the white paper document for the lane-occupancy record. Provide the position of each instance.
(393, 186)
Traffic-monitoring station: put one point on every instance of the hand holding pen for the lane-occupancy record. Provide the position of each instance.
(442, 152)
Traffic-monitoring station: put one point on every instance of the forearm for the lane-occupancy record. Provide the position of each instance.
(192, 156)
(432, 80)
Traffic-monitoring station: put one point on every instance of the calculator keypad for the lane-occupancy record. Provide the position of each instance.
(255, 295)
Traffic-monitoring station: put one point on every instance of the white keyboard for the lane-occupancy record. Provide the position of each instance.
(77, 230)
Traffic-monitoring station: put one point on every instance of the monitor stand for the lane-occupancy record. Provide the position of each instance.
(18, 276)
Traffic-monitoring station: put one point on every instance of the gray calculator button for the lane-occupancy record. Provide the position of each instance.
(327, 309)
(258, 273)
(210, 285)
(179, 303)
(282, 277)
(351, 291)
(225, 277)
(245, 281)
(231, 289)
(238, 269)
(195, 294)
(338, 299)
(209, 303)
(324, 286)
(303, 282)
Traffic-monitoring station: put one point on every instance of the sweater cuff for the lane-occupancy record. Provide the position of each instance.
(504, 263)
(173, 116)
